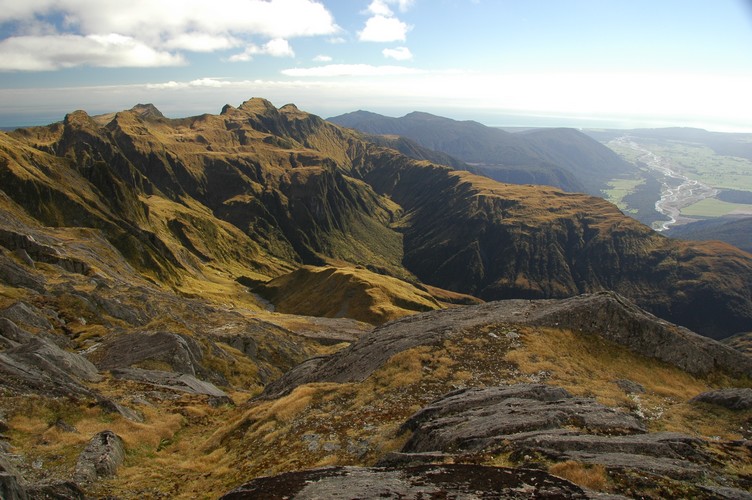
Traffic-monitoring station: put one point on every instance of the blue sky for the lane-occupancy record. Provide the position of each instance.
(615, 63)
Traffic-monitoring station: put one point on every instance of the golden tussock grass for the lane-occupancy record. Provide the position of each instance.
(588, 365)
(593, 477)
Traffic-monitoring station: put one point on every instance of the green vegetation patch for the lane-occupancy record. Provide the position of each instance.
(619, 188)
(711, 207)
(702, 163)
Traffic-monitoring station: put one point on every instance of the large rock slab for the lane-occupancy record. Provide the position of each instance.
(41, 366)
(468, 482)
(181, 352)
(536, 422)
(172, 381)
(475, 419)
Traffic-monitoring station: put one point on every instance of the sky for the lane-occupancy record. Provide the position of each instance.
(580, 63)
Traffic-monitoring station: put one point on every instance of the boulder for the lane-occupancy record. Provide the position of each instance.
(733, 399)
(425, 481)
(101, 458)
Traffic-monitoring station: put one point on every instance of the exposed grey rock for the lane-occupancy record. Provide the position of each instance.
(606, 314)
(468, 482)
(10, 488)
(613, 317)
(668, 467)
(6, 466)
(172, 381)
(15, 275)
(24, 257)
(561, 445)
(725, 493)
(40, 365)
(630, 387)
(42, 353)
(10, 331)
(111, 406)
(181, 352)
(733, 399)
(474, 419)
(41, 252)
(665, 453)
(101, 458)
(25, 315)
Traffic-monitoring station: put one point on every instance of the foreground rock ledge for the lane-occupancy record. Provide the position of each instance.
(426, 481)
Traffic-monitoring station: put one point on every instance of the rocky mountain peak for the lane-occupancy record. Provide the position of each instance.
(147, 111)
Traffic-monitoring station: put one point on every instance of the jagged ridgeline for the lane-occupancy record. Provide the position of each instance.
(255, 192)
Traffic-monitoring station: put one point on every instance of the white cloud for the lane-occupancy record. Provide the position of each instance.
(383, 29)
(403, 4)
(277, 48)
(322, 58)
(157, 28)
(202, 42)
(400, 53)
(379, 8)
(350, 70)
(716, 102)
(44, 53)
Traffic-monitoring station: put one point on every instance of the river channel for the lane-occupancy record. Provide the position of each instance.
(678, 190)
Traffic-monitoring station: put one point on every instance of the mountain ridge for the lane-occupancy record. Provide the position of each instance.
(296, 189)
(531, 157)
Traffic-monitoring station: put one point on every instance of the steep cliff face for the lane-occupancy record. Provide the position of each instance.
(257, 191)
(497, 241)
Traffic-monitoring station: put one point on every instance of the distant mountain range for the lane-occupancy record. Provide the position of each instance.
(564, 158)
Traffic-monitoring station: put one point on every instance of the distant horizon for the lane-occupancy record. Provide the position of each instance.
(488, 118)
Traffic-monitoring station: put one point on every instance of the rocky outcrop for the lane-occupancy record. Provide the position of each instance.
(181, 353)
(471, 482)
(605, 314)
(173, 381)
(532, 421)
(33, 362)
(609, 315)
(733, 399)
(101, 457)
(476, 419)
